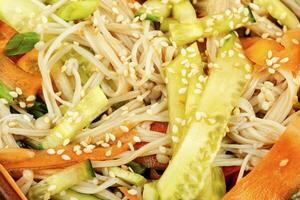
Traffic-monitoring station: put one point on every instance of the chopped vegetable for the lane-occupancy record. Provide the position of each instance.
(127, 194)
(61, 181)
(41, 160)
(151, 162)
(127, 176)
(25, 19)
(16, 155)
(76, 10)
(13, 76)
(280, 12)
(72, 195)
(29, 62)
(159, 127)
(184, 12)
(6, 33)
(276, 175)
(213, 25)
(8, 187)
(150, 192)
(90, 107)
(188, 170)
(38, 109)
(165, 24)
(291, 38)
(137, 167)
(249, 41)
(155, 10)
(4, 93)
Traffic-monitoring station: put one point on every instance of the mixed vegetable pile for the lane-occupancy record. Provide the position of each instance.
(203, 87)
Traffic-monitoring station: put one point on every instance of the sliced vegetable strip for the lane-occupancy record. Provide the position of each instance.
(6, 33)
(129, 196)
(277, 175)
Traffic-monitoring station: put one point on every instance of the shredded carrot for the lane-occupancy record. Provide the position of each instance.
(43, 160)
(247, 42)
(277, 175)
(29, 62)
(13, 76)
(17, 154)
(124, 190)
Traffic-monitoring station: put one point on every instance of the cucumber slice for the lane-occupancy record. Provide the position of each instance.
(214, 187)
(280, 12)
(22, 15)
(212, 25)
(4, 93)
(177, 73)
(71, 195)
(189, 168)
(156, 10)
(61, 181)
(90, 107)
(150, 192)
(184, 12)
(164, 25)
(127, 176)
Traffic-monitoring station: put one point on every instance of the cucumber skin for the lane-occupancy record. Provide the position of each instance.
(186, 174)
(70, 193)
(128, 176)
(62, 180)
(159, 13)
(150, 192)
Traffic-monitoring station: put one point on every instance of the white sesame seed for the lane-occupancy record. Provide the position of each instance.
(124, 129)
(76, 148)
(212, 120)
(182, 90)
(248, 76)
(51, 188)
(86, 150)
(275, 66)
(13, 94)
(269, 62)
(22, 104)
(230, 53)
(60, 151)
(271, 71)
(105, 145)
(66, 142)
(108, 153)
(183, 52)
(231, 24)
(295, 41)
(112, 137)
(19, 91)
(270, 54)
(132, 192)
(175, 129)
(175, 139)
(284, 60)
(137, 139)
(274, 59)
(283, 162)
(51, 151)
(78, 152)
(65, 157)
(131, 147)
(162, 149)
(58, 134)
(119, 144)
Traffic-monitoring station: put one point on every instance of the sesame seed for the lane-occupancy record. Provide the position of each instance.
(108, 153)
(175, 139)
(162, 149)
(275, 66)
(182, 90)
(271, 71)
(112, 137)
(295, 41)
(58, 134)
(124, 129)
(22, 104)
(269, 62)
(175, 129)
(274, 59)
(230, 53)
(132, 192)
(119, 18)
(284, 60)
(13, 94)
(283, 162)
(105, 145)
(79, 152)
(231, 24)
(66, 142)
(19, 91)
(183, 52)
(270, 54)
(119, 144)
(212, 120)
(76, 148)
(131, 147)
(107, 138)
(248, 76)
(51, 151)
(86, 150)
(60, 151)
(51, 188)
(65, 157)
(137, 139)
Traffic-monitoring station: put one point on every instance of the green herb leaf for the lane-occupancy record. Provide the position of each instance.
(136, 167)
(21, 43)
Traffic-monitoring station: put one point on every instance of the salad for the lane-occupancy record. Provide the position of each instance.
(149, 100)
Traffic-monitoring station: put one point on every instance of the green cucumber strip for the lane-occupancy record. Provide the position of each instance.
(22, 15)
(128, 176)
(76, 10)
(280, 12)
(89, 108)
(61, 181)
(150, 192)
(4, 93)
(184, 12)
(177, 73)
(71, 195)
(156, 10)
(214, 187)
(164, 25)
(211, 25)
(188, 170)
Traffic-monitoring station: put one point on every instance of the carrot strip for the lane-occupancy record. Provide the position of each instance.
(13, 76)
(6, 33)
(29, 62)
(247, 42)
(43, 160)
(277, 174)
(124, 190)
(16, 154)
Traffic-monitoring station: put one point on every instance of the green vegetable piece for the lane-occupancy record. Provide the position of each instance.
(188, 170)
(184, 12)
(38, 109)
(4, 93)
(214, 187)
(164, 25)
(211, 25)
(177, 73)
(76, 10)
(90, 107)
(156, 10)
(22, 15)
(150, 192)
(280, 12)
(61, 181)
(21, 43)
(71, 195)
(137, 167)
(127, 176)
